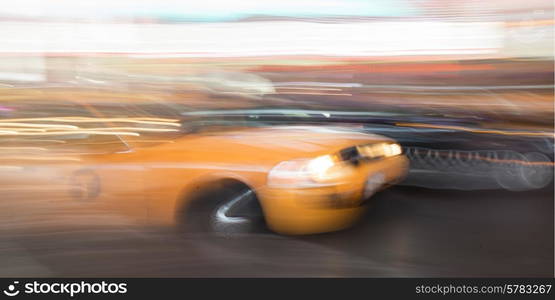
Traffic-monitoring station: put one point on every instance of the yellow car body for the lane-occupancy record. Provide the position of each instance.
(303, 178)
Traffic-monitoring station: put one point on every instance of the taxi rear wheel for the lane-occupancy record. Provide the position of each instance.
(227, 208)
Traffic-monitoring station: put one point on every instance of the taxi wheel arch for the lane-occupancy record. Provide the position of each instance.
(205, 208)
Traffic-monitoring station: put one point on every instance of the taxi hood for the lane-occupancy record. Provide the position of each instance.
(288, 142)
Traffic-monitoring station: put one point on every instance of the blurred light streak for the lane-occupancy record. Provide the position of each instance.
(264, 38)
(152, 121)
(484, 88)
(23, 129)
(39, 158)
(530, 23)
(519, 162)
(72, 133)
(310, 88)
(15, 124)
(377, 67)
(34, 140)
(154, 141)
(318, 84)
(133, 141)
(313, 93)
(23, 148)
(207, 10)
(476, 130)
(102, 129)
(11, 168)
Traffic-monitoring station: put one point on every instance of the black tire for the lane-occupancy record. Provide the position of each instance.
(226, 208)
(540, 173)
(523, 172)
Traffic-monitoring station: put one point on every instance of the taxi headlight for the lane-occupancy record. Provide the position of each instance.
(319, 171)
(318, 167)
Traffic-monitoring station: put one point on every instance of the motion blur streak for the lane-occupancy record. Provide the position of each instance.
(476, 130)
(158, 138)
(154, 121)
(38, 158)
(72, 132)
(37, 125)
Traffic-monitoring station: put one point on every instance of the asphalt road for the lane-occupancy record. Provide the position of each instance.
(409, 232)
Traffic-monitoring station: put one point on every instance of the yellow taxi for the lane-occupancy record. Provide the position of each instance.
(224, 179)
(293, 179)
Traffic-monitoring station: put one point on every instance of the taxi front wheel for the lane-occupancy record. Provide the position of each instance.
(225, 209)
